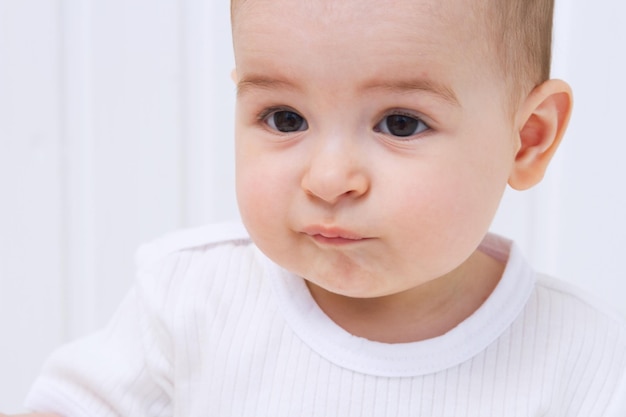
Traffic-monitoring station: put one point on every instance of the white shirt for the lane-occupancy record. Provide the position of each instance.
(214, 328)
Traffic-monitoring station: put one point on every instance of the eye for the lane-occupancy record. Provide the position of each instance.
(285, 121)
(401, 125)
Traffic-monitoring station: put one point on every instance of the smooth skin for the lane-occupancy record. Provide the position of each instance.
(372, 162)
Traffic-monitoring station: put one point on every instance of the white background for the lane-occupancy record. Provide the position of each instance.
(116, 127)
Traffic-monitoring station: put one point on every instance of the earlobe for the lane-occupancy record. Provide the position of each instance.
(543, 119)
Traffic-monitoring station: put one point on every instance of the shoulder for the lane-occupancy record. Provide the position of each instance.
(191, 262)
(581, 318)
(582, 334)
(560, 295)
(182, 274)
(193, 239)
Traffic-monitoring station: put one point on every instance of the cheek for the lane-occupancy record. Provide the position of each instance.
(262, 185)
(430, 204)
(253, 191)
(447, 204)
(249, 183)
(474, 195)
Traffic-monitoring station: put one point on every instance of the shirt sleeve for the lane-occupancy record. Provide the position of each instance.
(121, 370)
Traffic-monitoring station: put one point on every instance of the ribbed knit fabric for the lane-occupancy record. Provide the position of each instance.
(213, 328)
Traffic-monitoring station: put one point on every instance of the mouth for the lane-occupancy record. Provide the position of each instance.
(333, 235)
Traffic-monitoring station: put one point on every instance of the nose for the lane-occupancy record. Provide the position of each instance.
(336, 170)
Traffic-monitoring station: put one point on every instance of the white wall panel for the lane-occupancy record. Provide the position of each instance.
(136, 125)
(78, 149)
(209, 97)
(593, 206)
(32, 236)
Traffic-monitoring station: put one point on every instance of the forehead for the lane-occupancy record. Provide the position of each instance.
(333, 50)
(329, 32)
(327, 10)
(412, 16)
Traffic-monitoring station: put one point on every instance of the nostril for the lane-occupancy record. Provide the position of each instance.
(335, 184)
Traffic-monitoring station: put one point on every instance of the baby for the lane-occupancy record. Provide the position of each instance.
(374, 141)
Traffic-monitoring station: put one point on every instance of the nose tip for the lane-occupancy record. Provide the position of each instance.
(334, 179)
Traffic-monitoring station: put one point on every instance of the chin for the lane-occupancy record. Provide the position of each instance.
(357, 290)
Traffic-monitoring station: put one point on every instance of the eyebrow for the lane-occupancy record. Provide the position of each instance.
(417, 84)
(395, 86)
(266, 83)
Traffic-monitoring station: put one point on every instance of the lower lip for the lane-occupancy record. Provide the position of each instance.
(336, 241)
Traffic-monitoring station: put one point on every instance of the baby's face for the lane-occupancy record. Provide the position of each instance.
(373, 139)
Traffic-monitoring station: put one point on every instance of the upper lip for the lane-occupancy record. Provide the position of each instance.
(332, 232)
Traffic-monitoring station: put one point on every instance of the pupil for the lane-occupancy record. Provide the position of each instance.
(400, 125)
(287, 121)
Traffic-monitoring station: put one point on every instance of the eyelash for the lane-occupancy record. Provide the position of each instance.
(263, 117)
(419, 121)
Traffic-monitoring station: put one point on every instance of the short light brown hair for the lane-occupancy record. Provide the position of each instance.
(521, 32)
(520, 35)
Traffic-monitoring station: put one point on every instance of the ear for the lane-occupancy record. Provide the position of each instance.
(541, 120)
(233, 75)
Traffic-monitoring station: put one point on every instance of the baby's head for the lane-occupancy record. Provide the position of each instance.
(374, 139)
